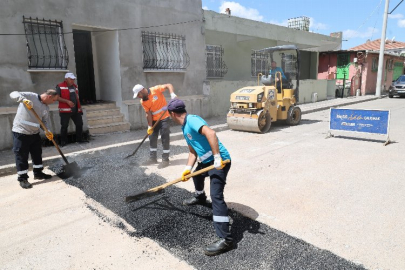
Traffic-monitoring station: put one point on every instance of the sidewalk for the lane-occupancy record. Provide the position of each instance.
(132, 138)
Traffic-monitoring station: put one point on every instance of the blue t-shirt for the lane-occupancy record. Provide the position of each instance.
(277, 69)
(191, 126)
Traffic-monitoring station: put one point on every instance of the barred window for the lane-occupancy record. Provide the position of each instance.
(46, 48)
(259, 63)
(164, 51)
(216, 67)
(374, 65)
(390, 64)
(290, 65)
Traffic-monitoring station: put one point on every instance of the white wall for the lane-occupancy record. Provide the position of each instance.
(108, 66)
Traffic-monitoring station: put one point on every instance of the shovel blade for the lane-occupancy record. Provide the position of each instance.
(143, 195)
(71, 169)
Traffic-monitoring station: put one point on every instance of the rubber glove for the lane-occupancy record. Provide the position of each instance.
(49, 135)
(28, 103)
(218, 162)
(187, 170)
(150, 130)
(173, 95)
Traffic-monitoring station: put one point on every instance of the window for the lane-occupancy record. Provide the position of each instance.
(164, 52)
(390, 64)
(216, 67)
(259, 63)
(46, 47)
(290, 65)
(374, 65)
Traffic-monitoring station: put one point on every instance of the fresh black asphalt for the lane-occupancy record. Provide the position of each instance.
(185, 231)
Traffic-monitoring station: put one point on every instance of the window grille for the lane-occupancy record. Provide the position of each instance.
(343, 60)
(259, 63)
(299, 23)
(216, 67)
(164, 51)
(290, 65)
(390, 64)
(374, 65)
(46, 48)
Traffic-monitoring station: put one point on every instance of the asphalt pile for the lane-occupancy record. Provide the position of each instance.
(184, 231)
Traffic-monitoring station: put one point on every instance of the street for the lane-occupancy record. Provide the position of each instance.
(297, 201)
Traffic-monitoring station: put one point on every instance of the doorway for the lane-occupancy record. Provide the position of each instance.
(84, 66)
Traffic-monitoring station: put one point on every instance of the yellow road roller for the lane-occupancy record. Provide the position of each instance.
(254, 108)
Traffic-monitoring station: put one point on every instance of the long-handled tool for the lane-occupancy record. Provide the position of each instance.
(68, 170)
(146, 136)
(153, 191)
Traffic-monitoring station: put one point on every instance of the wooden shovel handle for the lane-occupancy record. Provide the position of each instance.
(146, 136)
(187, 177)
(46, 130)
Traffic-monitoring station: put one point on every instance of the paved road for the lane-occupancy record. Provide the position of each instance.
(298, 201)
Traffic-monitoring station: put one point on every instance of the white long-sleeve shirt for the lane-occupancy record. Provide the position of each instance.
(25, 122)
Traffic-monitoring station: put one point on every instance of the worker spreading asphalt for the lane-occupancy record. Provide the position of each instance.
(182, 230)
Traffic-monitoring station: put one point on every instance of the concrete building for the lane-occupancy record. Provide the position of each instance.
(358, 66)
(230, 42)
(111, 46)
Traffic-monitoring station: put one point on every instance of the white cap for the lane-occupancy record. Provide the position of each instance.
(137, 88)
(70, 75)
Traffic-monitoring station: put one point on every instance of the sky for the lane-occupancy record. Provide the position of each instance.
(359, 20)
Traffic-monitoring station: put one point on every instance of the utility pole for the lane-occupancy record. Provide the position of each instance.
(382, 47)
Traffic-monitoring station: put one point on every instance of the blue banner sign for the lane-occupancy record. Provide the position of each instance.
(367, 121)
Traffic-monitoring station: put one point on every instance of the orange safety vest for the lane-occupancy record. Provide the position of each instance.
(156, 102)
(65, 93)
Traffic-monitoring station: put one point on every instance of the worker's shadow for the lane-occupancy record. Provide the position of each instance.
(161, 202)
(243, 218)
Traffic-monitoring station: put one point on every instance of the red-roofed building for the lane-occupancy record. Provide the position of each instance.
(359, 65)
(391, 46)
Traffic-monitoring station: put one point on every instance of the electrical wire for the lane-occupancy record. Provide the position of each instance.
(371, 14)
(119, 29)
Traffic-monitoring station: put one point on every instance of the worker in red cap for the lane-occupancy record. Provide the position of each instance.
(152, 101)
(204, 145)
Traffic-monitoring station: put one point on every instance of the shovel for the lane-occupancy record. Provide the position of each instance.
(68, 170)
(157, 190)
(147, 135)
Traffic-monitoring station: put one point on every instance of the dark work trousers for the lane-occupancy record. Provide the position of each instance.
(164, 128)
(219, 207)
(64, 122)
(23, 145)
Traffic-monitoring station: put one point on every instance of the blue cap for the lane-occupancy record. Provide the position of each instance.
(176, 105)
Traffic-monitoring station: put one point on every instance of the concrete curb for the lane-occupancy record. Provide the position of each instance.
(325, 107)
(11, 169)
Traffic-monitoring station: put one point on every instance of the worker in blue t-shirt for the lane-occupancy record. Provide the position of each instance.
(203, 144)
(274, 69)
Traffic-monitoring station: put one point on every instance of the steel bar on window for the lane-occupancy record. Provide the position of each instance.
(259, 63)
(164, 51)
(215, 66)
(46, 48)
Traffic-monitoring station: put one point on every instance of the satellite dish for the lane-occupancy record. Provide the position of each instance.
(392, 40)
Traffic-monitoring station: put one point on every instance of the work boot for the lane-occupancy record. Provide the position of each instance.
(218, 247)
(24, 183)
(196, 199)
(41, 175)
